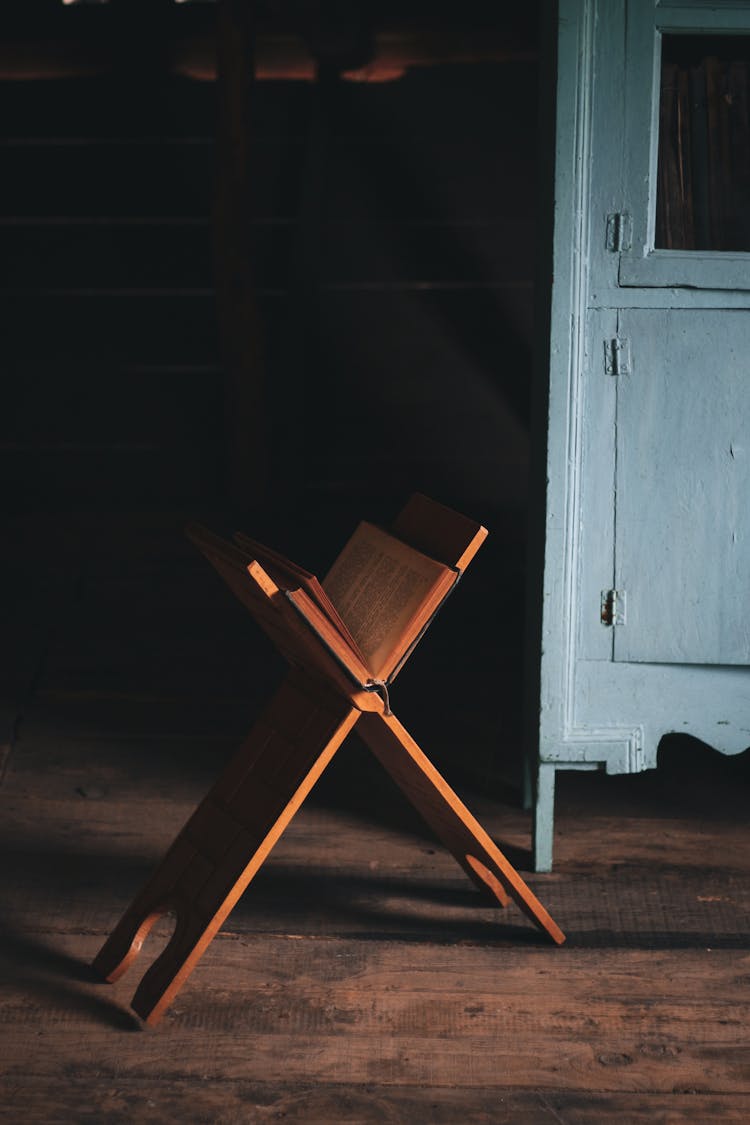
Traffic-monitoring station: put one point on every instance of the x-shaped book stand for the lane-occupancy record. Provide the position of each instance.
(229, 836)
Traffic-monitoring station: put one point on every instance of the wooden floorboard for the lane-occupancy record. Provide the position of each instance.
(239, 1102)
(361, 978)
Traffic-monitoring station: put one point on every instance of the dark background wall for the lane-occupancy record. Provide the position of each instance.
(391, 232)
(392, 247)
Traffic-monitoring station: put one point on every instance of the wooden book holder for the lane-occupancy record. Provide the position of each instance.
(229, 836)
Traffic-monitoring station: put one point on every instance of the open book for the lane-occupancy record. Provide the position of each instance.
(370, 609)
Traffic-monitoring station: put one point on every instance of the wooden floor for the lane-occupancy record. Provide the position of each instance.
(361, 979)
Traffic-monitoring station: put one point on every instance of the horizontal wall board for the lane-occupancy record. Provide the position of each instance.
(178, 257)
(494, 325)
(114, 106)
(99, 256)
(426, 345)
(440, 179)
(470, 100)
(365, 178)
(56, 328)
(101, 23)
(73, 405)
(117, 478)
(80, 177)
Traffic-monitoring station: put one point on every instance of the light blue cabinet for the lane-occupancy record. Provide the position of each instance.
(647, 423)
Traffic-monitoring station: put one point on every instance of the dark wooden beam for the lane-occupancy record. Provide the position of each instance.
(239, 322)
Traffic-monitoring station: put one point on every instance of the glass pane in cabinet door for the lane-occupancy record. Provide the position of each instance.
(703, 187)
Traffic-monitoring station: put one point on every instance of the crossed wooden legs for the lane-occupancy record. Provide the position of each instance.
(231, 833)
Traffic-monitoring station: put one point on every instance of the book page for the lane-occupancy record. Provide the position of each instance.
(380, 585)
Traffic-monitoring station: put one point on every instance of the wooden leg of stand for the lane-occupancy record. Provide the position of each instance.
(229, 836)
(449, 818)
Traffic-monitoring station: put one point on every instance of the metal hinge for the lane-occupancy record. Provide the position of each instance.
(612, 608)
(619, 232)
(617, 356)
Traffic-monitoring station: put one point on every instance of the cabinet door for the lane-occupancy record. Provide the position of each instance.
(682, 486)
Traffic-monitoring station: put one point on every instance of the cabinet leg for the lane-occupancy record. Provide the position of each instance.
(544, 816)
